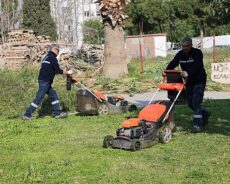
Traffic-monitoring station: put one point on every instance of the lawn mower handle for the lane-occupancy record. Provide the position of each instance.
(185, 79)
(71, 80)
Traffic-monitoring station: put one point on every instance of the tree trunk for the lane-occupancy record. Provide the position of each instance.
(115, 64)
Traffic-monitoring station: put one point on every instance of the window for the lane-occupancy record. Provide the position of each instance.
(86, 13)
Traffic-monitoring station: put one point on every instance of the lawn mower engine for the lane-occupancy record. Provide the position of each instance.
(145, 130)
(135, 138)
(136, 132)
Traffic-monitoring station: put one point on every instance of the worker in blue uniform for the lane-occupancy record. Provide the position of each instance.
(190, 60)
(49, 68)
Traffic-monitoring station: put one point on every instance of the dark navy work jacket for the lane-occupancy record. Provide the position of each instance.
(49, 68)
(192, 64)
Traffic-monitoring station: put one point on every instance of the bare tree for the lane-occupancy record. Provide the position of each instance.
(7, 17)
(65, 15)
(63, 20)
(112, 12)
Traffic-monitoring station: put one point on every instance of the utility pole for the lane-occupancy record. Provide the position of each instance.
(140, 48)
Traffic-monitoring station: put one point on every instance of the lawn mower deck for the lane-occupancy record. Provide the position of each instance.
(100, 104)
(96, 103)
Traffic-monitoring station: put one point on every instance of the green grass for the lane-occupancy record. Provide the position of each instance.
(46, 150)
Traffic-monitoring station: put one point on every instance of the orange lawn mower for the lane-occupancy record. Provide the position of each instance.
(155, 122)
(96, 103)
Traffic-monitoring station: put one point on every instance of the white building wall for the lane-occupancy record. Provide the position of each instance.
(160, 46)
(79, 11)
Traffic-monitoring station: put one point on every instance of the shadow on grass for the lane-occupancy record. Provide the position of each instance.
(219, 121)
(44, 109)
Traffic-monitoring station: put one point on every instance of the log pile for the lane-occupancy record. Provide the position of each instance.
(112, 12)
(92, 54)
(21, 36)
(13, 57)
(23, 47)
(37, 51)
(43, 39)
(65, 57)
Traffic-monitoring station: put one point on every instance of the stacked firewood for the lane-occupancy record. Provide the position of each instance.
(112, 12)
(65, 58)
(13, 57)
(92, 54)
(37, 52)
(23, 47)
(21, 36)
(43, 39)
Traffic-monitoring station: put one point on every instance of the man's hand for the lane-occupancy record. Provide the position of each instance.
(70, 72)
(184, 74)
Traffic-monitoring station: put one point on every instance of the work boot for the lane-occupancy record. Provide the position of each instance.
(196, 129)
(26, 118)
(62, 115)
(205, 117)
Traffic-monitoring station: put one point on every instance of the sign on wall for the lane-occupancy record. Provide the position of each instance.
(221, 72)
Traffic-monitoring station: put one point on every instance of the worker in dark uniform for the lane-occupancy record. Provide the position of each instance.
(191, 61)
(49, 68)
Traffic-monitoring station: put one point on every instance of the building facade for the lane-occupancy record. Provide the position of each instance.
(149, 45)
(69, 16)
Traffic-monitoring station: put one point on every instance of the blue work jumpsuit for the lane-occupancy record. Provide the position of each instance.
(192, 63)
(49, 67)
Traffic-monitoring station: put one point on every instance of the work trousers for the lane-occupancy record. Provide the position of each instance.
(195, 96)
(44, 88)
